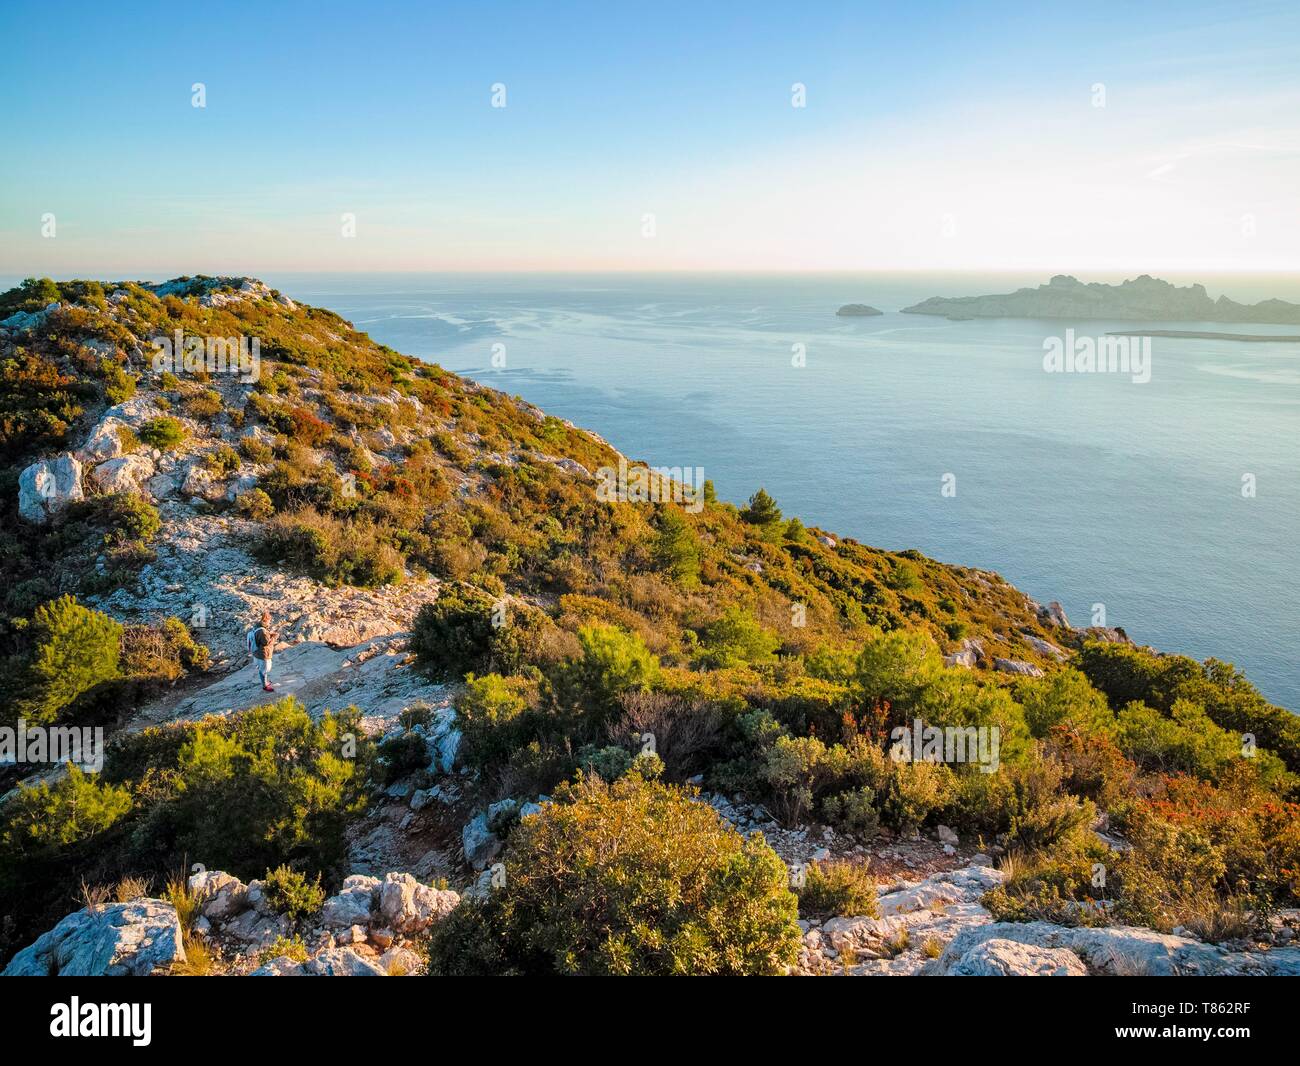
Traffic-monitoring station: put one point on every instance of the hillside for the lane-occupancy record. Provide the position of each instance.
(486, 663)
(1142, 299)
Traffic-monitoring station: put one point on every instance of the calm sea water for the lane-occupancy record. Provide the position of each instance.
(1089, 489)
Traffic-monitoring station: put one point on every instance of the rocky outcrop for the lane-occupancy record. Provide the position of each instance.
(334, 962)
(1008, 958)
(968, 654)
(1141, 299)
(104, 442)
(360, 931)
(1018, 666)
(129, 473)
(134, 939)
(915, 918)
(1111, 950)
(1045, 647)
(47, 486)
(406, 906)
(480, 844)
(21, 321)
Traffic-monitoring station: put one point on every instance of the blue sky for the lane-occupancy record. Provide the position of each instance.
(944, 136)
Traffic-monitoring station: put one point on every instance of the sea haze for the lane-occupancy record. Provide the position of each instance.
(1088, 489)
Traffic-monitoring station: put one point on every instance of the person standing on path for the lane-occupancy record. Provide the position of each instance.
(261, 646)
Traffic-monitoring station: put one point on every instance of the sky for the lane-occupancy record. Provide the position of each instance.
(933, 136)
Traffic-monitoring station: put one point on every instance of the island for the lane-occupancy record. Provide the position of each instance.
(858, 311)
(1143, 298)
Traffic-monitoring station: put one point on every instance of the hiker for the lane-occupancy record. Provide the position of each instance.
(261, 646)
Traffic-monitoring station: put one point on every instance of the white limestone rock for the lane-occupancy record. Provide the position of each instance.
(135, 939)
(48, 486)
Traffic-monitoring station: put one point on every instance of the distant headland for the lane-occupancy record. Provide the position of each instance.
(1141, 299)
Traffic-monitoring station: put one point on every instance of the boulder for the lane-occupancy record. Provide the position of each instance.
(199, 481)
(1055, 614)
(134, 939)
(221, 895)
(448, 747)
(352, 905)
(1016, 666)
(968, 654)
(104, 442)
(257, 929)
(1123, 951)
(161, 486)
(400, 962)
(21, 321)
(47, 486)
(1045, 647)
(1007, 958)
(334, 962)
(480, 843)
(125, 474)
(407, 906)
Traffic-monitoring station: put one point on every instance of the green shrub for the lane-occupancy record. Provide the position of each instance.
(632, 877)
(204, 405)
(763, 513)
(838, 889)
(26, 596)
(222, 461)
(75, 807)
(455, 634)
(255, 451)
(293, 948)
(853, 812)
(401, 756)
(613, 662)
(1064, 697)
(288, 892)
(675, 549)
(126, 518)
(166, 651)
(735, 638)
(608, 763)
(1185, 741)
(246, 793)
(119, 386)
(254, 504)
(492, 713)
(333, 551)
(897, 666)
(74, 649)
(163, 433)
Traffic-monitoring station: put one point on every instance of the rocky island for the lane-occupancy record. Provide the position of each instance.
(517, 728)
(1142, 299)
(858, 311)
